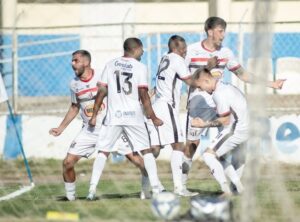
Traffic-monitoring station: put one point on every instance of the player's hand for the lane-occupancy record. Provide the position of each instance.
(198, 122)
(55, 131)
(92, 122)
(277, 84)
(157, 122)
(212, 62)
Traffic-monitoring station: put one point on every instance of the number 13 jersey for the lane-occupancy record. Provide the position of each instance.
(123, 77)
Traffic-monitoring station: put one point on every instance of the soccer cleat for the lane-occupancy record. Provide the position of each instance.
(145, 195)
(71, 197)
(185, 193)
(91, 196)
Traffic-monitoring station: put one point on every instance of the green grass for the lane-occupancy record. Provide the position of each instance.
(118, 192)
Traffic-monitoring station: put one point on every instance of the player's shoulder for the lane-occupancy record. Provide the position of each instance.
(226, 50)
(175, 57)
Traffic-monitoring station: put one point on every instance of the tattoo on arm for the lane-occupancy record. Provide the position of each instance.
(213, 123)
(240, 71)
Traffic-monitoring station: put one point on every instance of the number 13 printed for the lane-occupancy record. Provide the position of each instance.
(127, 90)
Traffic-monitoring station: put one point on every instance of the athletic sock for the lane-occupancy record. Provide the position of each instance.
(240, 170)
(186, 166)
(70, 190)
(217, 171)
(151, 168)
(176, 166)
(98, 167)
(233, 176)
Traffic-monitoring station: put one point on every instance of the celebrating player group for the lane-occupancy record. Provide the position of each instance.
(118, 115)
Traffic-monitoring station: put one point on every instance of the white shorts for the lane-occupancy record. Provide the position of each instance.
(170, 132)
(199, 107)
(137, 136)
(85, 142)
(226, 141)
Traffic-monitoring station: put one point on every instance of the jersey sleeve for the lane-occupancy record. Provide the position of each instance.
(223, 107)
(143, 77)
(182, 69)
(73, 97)
(232, 63)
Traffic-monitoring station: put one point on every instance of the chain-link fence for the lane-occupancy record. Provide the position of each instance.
(36, 62)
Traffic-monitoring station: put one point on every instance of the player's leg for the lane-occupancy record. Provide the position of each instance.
(69, 175)
(138, 161)
(98, 166)
(198, 107)
(139, 139)
(177, 172)
(107, 138)
(216, 170)
(82, 146)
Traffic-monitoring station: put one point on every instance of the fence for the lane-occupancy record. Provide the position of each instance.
(35, 62)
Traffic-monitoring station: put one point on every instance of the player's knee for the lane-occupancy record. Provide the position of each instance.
(155, 151)
(68, 164)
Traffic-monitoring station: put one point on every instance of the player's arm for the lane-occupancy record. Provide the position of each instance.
(247, 77)
(70, 115)
(221, 121)
(102, 92)
(145, 99)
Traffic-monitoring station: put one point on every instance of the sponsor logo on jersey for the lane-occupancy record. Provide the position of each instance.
(118, 114)
(88, 111)
(129, 114)
(123, 65)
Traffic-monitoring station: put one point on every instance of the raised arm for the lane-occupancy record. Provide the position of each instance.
(247, 77)
(102, 92)
(145, 99)
(70, 115)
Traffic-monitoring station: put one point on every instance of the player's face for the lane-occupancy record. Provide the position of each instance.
(217, 35)
(78, 64)
(138, 53)
(181, 49)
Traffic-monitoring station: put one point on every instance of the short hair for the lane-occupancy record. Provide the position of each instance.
(200, 72)
(213, 22)
(132, 43)
(83, 53)
(174, 42)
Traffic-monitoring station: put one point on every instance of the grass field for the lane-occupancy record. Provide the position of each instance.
(119, 189)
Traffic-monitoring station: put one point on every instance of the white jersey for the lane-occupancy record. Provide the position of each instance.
(123, 77)
(84, 94)
(197, 57)
(229, 99)
(171, 70)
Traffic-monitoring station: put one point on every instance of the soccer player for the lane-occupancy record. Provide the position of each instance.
(200, 103)
(171, 72)
(83, 91)
(124, 82)
(233, 116)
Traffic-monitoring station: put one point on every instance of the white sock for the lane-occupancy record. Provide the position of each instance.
(145, 183)
(186, 166)
(217, 171)
(98, 167)
(151, 168)
(176, 166)
(240, 170)
(70, 190)
(233, 176)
